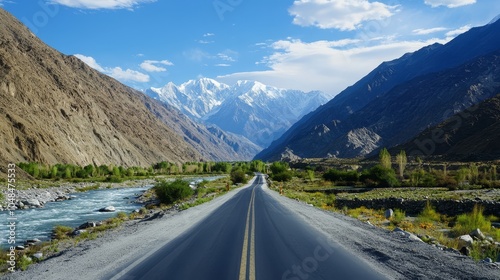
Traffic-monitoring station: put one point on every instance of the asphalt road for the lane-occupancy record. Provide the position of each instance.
(251, 236)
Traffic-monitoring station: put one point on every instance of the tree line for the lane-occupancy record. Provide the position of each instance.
(393, 171)
(115, 173)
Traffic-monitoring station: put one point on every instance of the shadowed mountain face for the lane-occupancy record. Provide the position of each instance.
(56, 109)
(473, 134)
(399, 99)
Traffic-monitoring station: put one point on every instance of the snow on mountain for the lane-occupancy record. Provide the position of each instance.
(195, 98)
(259, 112)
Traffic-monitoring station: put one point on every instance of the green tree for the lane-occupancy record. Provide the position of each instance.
(257, 166)
(380, 176)
(221, 167)
(116, 171)
(67, 173)
(278, 167)
(462, 175)
(90, 170)
(385, 158)
(474, 173)
(54, 172)
(401, 160)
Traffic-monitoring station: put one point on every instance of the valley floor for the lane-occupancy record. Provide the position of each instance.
(390, 253)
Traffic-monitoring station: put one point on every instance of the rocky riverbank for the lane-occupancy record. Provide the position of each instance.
(36, 196)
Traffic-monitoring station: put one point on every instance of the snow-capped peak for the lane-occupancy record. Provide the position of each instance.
(250, 108)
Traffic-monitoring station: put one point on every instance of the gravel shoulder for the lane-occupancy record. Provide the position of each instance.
(393, 255)
(390, 253)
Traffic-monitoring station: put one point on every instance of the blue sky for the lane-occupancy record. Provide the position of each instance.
(305, 44)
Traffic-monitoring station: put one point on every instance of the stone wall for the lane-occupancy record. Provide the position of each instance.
(414, 207)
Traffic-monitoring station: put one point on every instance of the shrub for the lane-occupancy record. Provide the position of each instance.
(334, 175)
(398, 217)
(279, 167)
(169, 193)
(380, 176)
(238, 176)
(284, 176)
(429, 214)
(24, 262)
(466, 223)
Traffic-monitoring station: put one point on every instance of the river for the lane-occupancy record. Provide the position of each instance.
(83, 207)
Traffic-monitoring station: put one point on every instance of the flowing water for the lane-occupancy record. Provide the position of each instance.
(83, 207)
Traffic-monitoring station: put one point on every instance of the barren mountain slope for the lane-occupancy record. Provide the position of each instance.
(54, 108)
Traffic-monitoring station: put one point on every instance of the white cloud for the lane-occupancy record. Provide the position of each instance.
(338, 14)
(449, 3)
(208, 34)
(101, 4)
(116, 72)
(128, 75)
(456, 32)
(322, 65)
(152, 65)
(228, 55)
(222, 65)
(428, 30)
(90, 61)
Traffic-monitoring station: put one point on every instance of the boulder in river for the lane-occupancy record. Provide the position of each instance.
(32, 202)
(108, 209)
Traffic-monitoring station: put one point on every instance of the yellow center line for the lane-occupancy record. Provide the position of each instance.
(251, 272)
(244, 251)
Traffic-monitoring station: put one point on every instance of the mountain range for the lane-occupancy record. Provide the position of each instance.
(399, 99)
(56, 109)
(251, 109)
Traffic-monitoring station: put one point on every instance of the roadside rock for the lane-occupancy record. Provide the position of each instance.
(78, 232)
(389, 213)
(477, 234)
(406, 234)
(87, 225)
(465, 241)
(38, 256)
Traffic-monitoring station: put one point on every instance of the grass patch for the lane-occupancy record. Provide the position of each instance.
(398, 217)
(62, 232)
(466, 223)
(365, 214)
(428, 215)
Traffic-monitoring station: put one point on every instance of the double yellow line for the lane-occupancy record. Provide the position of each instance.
(244, 253)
